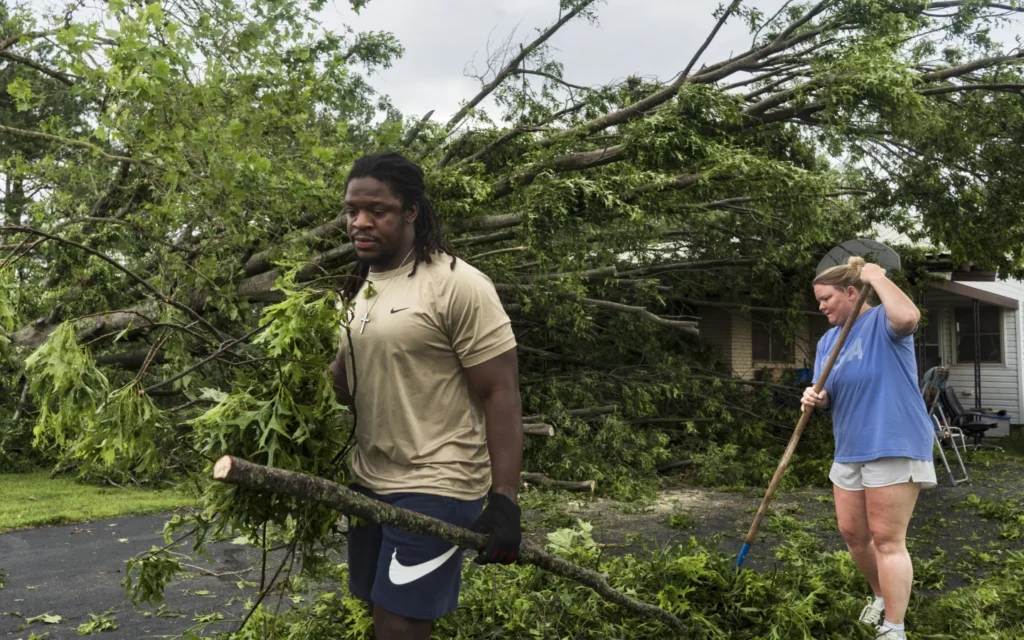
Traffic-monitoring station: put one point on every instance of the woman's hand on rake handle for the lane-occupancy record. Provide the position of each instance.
(812, 399)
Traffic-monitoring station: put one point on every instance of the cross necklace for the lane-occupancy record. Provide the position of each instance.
(366, 316)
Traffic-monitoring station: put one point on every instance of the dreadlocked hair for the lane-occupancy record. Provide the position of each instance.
(405, 179)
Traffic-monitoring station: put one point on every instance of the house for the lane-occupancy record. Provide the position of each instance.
(750, 342)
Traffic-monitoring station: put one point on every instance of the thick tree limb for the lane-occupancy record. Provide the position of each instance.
(232, 470)
(707, 42)
(588, 412)
(541, 353)
(768, 88)
(681, 181)
(781, 97)
(711, 74)
(676, 464)
(538, 429)
(6, 44)
(687, 327)
(262, 261)
(514, 63)
(961, 70)
(261, 274)
(807, 17)
(489, 238)
(41, 68)
(959, 3)
(103, 202)
(415, 131)
(540, 479)
(682, 266)
(36, 333)
(501, 140)
(754, 58)
(589, 273)
(1007, 87)
(491, 223)
(570, 162)
(260, 287)
(81, 144)
(495, 252)
(117, 265)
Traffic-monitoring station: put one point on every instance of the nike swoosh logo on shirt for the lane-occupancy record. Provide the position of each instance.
(394, 310)
(401, 574)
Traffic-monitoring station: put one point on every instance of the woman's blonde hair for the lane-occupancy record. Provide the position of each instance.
(843, 275)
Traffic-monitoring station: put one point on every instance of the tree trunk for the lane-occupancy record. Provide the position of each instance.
(237, 471)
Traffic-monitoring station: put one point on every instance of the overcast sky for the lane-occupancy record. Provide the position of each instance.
(654, 38)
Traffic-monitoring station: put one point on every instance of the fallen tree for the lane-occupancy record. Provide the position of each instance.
(157, 214)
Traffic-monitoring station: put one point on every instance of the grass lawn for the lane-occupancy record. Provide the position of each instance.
(33, 499)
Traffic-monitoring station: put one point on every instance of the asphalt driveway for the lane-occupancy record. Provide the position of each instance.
(74, 570)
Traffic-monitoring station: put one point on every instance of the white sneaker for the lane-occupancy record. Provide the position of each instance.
(872, 613)
(889, 634)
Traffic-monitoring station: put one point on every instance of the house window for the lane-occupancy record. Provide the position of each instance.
(928, 343)
(818, 326)
(990, 322)
(769, 345)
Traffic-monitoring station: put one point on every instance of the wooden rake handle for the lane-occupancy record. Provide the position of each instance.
(805, 416)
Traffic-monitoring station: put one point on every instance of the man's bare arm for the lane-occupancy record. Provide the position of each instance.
(496, 384)
(340, 379)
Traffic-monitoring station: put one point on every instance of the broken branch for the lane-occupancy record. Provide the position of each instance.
(540, 479)
(81, 144)
(239, 472)
(538, 429)
(514, 64)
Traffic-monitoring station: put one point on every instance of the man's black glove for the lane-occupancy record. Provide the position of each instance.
(500, 521)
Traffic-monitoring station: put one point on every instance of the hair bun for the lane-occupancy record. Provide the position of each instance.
(856, 262)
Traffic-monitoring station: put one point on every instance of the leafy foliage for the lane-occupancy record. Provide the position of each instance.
(172, 199)
(97, 623)
(810, 595)
(1009, 512)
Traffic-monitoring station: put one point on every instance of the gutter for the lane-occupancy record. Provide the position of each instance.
(1020, 370)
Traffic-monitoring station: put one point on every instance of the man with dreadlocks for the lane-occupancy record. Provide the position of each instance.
(428, 364)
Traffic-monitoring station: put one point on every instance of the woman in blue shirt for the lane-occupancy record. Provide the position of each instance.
(883, 434)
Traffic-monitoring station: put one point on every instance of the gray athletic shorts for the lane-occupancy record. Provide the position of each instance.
(883, 472)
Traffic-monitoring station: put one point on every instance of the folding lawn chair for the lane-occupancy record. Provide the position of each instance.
(932, 386)
(973, 423)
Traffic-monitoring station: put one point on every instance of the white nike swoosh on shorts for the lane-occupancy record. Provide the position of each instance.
(401, 574)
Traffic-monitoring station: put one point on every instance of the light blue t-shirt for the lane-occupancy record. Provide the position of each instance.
(877, 409)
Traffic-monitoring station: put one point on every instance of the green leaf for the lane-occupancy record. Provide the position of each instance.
(21, 90)
(47, 618)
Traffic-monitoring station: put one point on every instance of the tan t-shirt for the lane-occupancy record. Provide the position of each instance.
(419, 430)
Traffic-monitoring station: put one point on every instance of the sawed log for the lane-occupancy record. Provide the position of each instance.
(236, 471)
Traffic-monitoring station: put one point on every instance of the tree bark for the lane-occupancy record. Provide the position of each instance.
(538, 429)
(675, 464)
(583, 486)
(237, 471)
(588, 412)
(35, 334)
(261, 262)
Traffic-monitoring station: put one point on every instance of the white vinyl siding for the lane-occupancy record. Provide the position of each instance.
(1000, 383)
